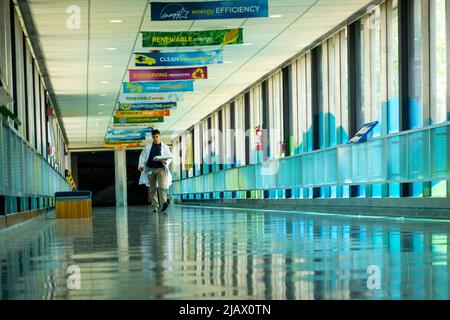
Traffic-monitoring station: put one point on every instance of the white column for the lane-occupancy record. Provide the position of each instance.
(120, 166)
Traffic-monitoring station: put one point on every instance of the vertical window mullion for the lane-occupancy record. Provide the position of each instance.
(426, 63)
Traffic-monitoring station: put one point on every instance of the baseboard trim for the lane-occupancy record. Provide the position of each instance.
(16, 218)
(2, 222)
(426, 208)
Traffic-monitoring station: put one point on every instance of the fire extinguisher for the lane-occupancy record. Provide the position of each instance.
(283, 148)
(259, 138)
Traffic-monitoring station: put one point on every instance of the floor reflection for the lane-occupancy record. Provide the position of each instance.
(193, 253)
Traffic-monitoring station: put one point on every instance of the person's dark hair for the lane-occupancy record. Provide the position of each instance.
(156, 132)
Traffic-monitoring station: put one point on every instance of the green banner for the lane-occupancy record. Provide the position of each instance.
(138, 120)
(192, 38)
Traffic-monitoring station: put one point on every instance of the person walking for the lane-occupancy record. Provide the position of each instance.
(154, 163)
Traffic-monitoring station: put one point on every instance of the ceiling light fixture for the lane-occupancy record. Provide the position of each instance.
(111, 49)
(228, 62)
(107, 66)
(101, 104)
(103, 94)
(247, 44)
(276, 16)
(106, 82)
(116, 21)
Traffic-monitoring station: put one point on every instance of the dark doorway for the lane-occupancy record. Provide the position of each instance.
(137, 194)
(95, 172)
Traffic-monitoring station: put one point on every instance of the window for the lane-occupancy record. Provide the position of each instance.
(376, 93)
(30, 96)
(13, 66)
(438, 61)
(416, 65)
(361, 62)
(276, 115)
(343, 133)
(255, 121)
(37, 109)
(393, 64)
(239, 133)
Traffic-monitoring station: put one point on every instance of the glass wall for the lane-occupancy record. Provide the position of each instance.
(34, 147)
(355, 76)
(438, 62)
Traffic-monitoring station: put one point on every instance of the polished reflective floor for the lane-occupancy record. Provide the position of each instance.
(202, 253)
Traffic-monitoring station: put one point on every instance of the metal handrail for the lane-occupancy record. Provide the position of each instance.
(57, 180)
(26, 142)
(342, 148)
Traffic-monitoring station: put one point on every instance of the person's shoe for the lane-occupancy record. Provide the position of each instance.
(155, 210)
(165, 206)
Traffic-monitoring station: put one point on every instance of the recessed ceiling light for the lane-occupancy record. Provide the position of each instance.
(103, 94)
(247, 44)
(116, 21)
(107, 66)
(101, 104)
(106, 82)
(111, 49)
(228, 62)
(276, 16)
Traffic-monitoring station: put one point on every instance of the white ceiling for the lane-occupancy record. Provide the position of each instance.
(87, 110)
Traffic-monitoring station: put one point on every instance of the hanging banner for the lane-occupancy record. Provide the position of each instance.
(125, 138)
(139, 120)
(156, 87)
(178, 59)
(122, 132)
(149, 98)
(132, 126)
(123, 144)
(142, 114)
(169, 74)
(116, 142)
(146, 106)
(242, 9)
(192, 38)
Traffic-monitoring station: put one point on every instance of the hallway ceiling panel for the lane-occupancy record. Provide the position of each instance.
(107, 41)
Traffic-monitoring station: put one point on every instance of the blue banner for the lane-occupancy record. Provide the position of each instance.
(211, 10)
(172, 59)
(146, 106)
(125, 138)
(158, 86)
(128, 132)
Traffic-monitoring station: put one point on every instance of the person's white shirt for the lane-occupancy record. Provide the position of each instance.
(143, 160)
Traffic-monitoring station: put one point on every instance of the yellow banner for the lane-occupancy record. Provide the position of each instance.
(122, 145)
(142, 114)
